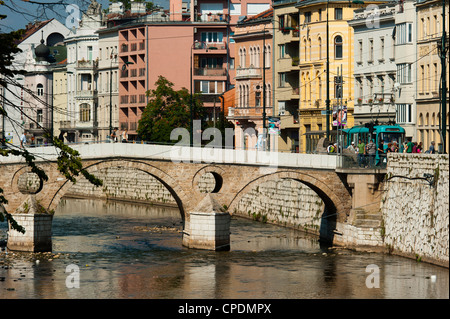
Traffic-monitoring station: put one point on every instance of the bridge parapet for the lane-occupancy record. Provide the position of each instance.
(186, 154)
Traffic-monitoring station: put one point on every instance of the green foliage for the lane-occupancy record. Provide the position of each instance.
(167, 109)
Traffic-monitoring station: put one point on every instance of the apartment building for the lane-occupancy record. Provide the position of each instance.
(286, 88)
(253, 80)
(82, 72)
(375, 70)
(429, 71)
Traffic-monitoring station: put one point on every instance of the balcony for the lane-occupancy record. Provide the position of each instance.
(86, 94)
(213, 47)
(210, 17)
(249, 112)
(83, 64)
(248, 73)
(66, 125)
(210, 71)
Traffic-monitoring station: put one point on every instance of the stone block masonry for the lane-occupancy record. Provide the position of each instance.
(415, 213)
(124, 183)
(37, 236)
(284, 202)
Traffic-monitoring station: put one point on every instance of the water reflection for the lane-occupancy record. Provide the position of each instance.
(134, 251)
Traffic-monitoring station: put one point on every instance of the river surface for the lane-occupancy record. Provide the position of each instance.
(122, 250)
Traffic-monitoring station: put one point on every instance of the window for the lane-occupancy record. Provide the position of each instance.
(320, 14)
(282, 51)
(382, 48)
(89, 53)
(267, 56)
(404, 33)
(282, 79)
(338, 13)
(39, 116)
(307, 17)
(235, 9)
(281, 22)
(257, 98)
(40, 89)
(255, 8)
(370, 50)
(404, 73)
(320, 48)
(209, 87)
(212, 37)
(404, 113)
(85, 112)
(360, 51)
(338, 47)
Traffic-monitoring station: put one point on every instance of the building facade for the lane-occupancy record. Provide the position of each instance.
(82, 72)
(29, 103)
(286, 46)
(253, 80)
(374, 64)
(429, 71)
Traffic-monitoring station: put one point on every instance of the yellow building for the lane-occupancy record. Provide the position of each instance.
(429, 33)
(306, 76)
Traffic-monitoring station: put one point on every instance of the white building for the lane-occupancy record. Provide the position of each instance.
(27, 109)
(82, 64)
(374, 63)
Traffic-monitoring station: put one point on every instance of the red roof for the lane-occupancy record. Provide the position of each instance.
(31, 29)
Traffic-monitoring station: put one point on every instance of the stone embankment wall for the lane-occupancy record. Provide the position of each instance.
(415, 213)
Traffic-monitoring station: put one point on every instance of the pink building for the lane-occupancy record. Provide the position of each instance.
(192, 47)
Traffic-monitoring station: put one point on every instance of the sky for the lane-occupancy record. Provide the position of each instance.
(20, 12)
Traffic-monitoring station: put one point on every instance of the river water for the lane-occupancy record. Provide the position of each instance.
(122, 250)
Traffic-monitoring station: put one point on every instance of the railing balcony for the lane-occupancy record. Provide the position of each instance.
(90, 64)
(249, 111)
(244, 73)
(210, 17)
(86, 94)
(66, 124)
(210, 46)
(210, 71)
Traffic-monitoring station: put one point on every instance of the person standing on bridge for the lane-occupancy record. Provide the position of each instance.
(125, 136)
(361, 152)
(114, 136)
(23, 140)
(371, 150)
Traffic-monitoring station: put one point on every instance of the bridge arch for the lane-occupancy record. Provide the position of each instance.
(164, 178)
(336, 205)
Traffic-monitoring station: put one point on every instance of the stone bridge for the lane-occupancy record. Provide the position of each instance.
(179, 169)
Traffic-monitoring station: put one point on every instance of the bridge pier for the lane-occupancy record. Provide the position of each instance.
(208, 227)
(366, 192)
(37, 223)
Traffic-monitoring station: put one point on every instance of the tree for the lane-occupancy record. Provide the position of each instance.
(68, 160)
(166, 110)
